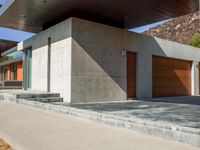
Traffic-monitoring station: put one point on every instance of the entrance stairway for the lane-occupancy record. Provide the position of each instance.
(41, 97)
(44, 97)
(12, 84)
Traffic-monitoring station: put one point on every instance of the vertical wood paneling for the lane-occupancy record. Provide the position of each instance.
(131, 75)
(19, 71)
(9, 72)
(171, 77)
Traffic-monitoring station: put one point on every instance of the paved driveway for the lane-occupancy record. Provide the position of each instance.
(171, 110)
(27, 128)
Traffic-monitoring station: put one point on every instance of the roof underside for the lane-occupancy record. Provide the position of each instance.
(5, 45)
(36, 15)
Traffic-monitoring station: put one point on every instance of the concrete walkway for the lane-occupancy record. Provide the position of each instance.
(27, 128)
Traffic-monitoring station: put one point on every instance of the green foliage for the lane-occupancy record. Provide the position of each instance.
(195, 41)
(4, 58)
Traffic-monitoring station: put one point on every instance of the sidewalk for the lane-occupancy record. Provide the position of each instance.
(26, 128)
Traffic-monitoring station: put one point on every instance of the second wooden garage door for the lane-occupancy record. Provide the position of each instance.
(171, 77)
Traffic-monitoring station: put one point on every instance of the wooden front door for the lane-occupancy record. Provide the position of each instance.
(131, 75)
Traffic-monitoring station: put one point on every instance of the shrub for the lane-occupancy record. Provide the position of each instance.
(195, 41)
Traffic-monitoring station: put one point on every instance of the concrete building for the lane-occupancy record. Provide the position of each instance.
(87, 61)
(92, 62)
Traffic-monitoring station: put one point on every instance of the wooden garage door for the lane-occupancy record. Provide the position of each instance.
(199, 78)
(131, 75)
(171, 77)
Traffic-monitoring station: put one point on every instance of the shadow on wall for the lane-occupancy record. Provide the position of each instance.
(103, 49)
(95, 76)
(98, 68)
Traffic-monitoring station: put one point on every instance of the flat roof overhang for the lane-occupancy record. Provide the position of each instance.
(36, 15)
(5, 45)
(10, 61)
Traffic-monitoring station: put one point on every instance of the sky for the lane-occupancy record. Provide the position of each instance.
(147, 27)
(2, 1)
(14, 35)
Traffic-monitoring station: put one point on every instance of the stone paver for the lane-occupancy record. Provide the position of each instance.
(182, 114)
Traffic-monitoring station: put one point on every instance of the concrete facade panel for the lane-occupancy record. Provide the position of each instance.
(95, 76)
(61, 68)
(39, 68)
(60, 75)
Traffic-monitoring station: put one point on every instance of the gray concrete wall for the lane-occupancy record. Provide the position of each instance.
(60, 74)
(195, 78)
(87, 63)
(99, 69)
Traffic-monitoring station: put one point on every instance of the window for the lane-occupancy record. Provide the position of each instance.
(5, 73)
(14, 71)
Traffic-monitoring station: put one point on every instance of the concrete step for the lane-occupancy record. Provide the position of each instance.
(47, 100)
(10, 87)
(36, 95)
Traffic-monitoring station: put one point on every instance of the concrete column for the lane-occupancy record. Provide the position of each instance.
(49, 66)
(195, 78)
(199, 5)
(24, 71)
(1, 74)
(144, 76)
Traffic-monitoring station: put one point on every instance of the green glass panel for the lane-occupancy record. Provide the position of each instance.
(29, 65)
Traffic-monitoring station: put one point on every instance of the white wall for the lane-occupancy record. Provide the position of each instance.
(61, 68)
(60, 77)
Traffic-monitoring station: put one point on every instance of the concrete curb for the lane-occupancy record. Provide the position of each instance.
(167, 131)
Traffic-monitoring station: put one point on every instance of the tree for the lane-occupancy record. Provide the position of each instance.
(195, 41)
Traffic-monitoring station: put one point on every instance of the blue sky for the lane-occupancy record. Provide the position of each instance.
(144, 28)
(2, 1)
(14, 35)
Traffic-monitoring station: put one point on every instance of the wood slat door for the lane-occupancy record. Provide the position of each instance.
(131, 75)
(171, 77)
(199, 78)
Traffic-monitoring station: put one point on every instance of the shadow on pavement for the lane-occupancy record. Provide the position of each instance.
(192, 100)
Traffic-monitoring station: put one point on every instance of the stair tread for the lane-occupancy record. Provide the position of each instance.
(38, 95)
(46, 98)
